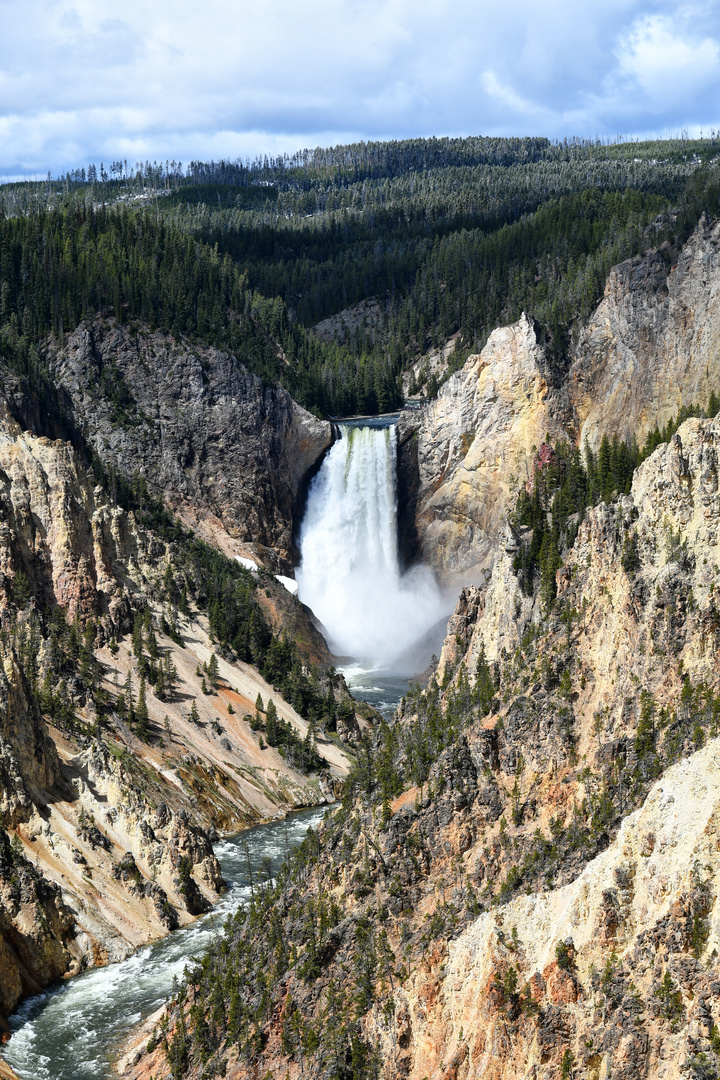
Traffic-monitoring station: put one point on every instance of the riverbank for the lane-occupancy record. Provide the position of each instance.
(78, 1030)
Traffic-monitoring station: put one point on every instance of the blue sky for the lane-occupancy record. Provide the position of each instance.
(92, 80)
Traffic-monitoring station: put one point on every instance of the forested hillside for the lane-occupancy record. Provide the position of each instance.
(445, 236)
(451, 235)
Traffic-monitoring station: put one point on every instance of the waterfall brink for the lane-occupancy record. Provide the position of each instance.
(349, 572)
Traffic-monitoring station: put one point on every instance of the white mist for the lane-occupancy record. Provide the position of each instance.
(349, 572)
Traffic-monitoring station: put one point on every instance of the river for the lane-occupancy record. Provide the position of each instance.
(74, 1032)
(381, 688)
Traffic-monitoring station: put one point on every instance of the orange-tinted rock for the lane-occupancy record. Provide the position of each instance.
(562, 987)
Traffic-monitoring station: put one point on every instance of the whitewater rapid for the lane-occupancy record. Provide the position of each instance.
(74, 1031)
(349, 572)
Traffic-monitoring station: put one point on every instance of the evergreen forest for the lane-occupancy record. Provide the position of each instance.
(434, 239)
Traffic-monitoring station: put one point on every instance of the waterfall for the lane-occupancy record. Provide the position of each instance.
(349, 572)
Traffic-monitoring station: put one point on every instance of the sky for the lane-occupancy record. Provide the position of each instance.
(101, 80)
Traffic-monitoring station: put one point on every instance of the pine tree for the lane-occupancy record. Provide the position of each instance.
(484, 688)
(137, 636)
(271, 723)
(194, 714)
(330, 711)
(550, 563)
(129, 699)
(151, 639)
(21, 589)
(645, 735)
(141, 711)
(630, 558)
(668, 993)
(47, 696)
(169, 674)
(169, 586)
(605, 470)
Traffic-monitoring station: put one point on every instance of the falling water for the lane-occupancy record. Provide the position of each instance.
(349, 573)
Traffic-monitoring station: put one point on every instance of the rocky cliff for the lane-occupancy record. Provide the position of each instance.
(653, 344)
(651, 348)
(463, 454)
(613, 975)
(229, 454)
(630, 623)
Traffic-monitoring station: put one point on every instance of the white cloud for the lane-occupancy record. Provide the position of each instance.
(507, 97)
(665, 61)
(89, 79)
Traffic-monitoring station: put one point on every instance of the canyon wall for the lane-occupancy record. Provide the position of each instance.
(619, 963)
(546, 897)
(227, 453)
(634, 994)
(111, 832)
(651, 347)
(462, 456)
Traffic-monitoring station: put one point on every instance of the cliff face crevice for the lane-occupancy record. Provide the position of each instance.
(209, 438)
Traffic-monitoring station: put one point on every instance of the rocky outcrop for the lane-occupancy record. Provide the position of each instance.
(635, 993)
(470, 448)
(36, 929)
(651, 348)
(209, 438)
(30, 770)
(653, 344)
(626, 623)
(59, 532)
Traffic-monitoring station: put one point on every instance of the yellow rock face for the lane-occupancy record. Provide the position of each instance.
(105, 821)
(649, 871)
(475, 443)
(653, 343)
